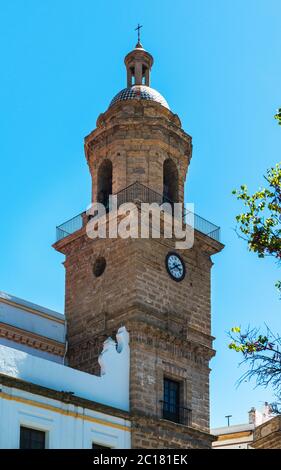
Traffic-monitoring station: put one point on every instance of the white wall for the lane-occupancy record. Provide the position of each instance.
(111, 388)
(18, 407)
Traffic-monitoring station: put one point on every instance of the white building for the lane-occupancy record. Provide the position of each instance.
(44, 403)
(241, 436)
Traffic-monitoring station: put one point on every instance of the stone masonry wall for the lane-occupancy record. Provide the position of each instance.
(268, 435)
(169, 323)
(138, 137)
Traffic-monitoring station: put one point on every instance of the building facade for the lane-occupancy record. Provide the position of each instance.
(140, 153)
(32, 328)
(262, 431)
(46, 404)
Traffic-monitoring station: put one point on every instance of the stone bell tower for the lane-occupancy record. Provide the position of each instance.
(140, 152)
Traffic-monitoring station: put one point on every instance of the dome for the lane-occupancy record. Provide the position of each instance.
(139, 92)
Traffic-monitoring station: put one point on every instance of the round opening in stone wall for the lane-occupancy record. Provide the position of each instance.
(99, 266)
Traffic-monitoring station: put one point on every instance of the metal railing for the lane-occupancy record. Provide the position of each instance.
(138, 192)
(205, 226)
(176, 413)
(70, 226)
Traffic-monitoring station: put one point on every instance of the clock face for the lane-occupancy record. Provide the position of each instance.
(175, 266)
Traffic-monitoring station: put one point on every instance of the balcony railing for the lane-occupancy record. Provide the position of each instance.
(175, 413)
(138, 192)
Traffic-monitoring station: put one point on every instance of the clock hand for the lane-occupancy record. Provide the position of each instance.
(177, 266)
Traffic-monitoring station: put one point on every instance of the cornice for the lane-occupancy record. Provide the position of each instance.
(32, 340)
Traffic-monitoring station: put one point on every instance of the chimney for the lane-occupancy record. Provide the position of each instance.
(267, 412)
(252, 415)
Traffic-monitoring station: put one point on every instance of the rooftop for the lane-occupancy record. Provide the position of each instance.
(138, 64)
(11, 299)
(139, 92)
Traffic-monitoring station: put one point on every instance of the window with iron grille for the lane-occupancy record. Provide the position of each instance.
(171, 402)
(32, 438)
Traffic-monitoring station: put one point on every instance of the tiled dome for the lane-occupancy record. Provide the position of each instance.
(139, 92)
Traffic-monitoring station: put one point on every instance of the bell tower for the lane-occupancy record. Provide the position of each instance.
(140, 153)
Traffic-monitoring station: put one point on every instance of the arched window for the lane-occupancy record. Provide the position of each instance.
(170, 181)
(132, 75)
(104, 182)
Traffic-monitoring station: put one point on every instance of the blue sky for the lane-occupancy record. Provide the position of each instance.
(218, 65)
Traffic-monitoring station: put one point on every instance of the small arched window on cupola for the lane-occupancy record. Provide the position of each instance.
(145, 78)
(133, 77)
(104, 183)
(170, 181)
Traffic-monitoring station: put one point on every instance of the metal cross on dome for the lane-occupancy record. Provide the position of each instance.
(138, 30)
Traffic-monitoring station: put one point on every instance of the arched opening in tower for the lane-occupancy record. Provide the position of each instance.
(170, 181)
(132, 76)
(104, 183)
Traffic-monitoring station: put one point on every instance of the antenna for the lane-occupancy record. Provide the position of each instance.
(228, 419)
